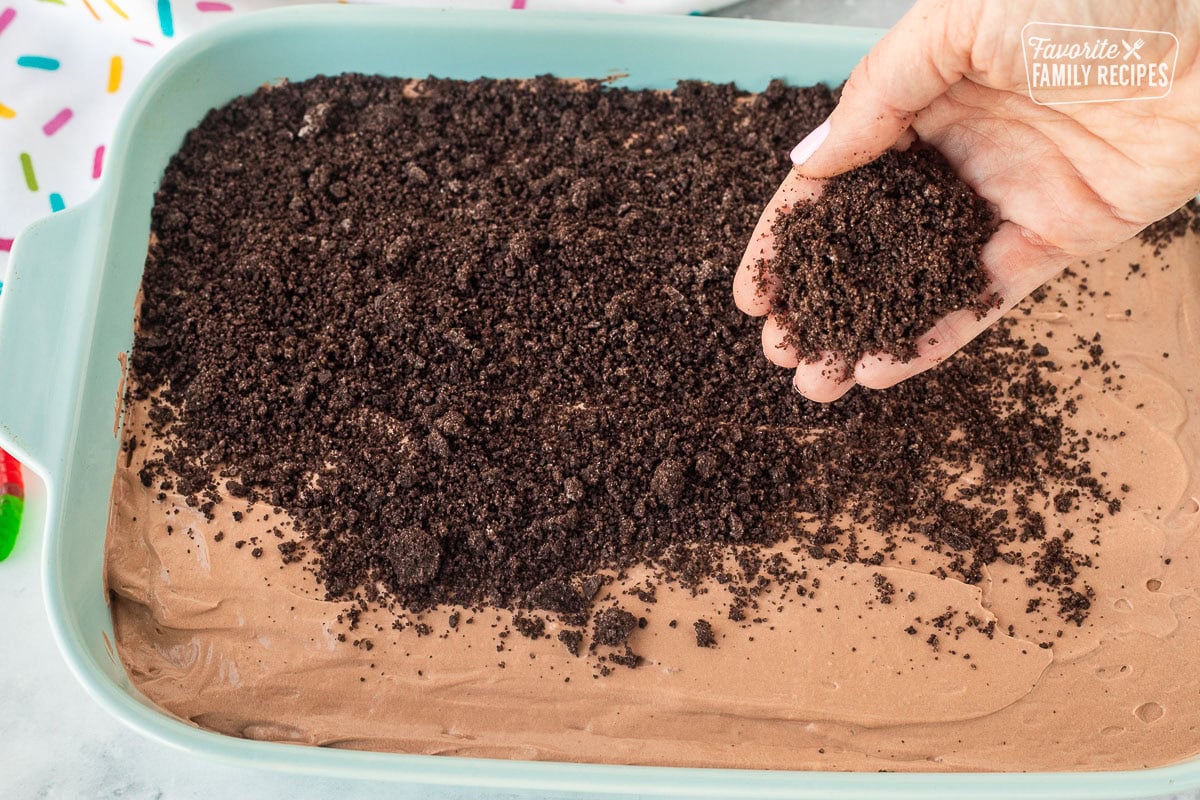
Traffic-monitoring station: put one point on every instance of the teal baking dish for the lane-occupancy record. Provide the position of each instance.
(67, 314)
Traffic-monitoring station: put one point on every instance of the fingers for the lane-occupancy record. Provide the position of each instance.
(746, 292)
(1018, 264)
(822, 381)
(773, 347)
(926, 52)
(906, 140)
(749, 296)
(946, 338)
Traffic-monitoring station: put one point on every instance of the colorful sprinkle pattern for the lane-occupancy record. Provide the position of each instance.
(166, 20)
(38, 62)
(115, 66)
(12, 502)
(27, 168)
(56, 122)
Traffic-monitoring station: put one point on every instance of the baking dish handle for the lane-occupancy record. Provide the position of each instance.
(43, 308)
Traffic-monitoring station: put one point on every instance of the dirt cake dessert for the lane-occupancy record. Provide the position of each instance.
(445, 436)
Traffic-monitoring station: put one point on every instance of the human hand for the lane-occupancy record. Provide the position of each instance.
(1068, 180)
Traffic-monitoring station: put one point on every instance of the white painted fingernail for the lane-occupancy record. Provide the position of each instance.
(809, 144)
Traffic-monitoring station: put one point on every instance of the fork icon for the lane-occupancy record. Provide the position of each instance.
(1132, 50)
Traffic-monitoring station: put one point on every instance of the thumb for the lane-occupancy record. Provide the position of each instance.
(926, 52)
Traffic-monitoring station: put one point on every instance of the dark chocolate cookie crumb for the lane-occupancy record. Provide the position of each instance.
(628, 658)
(884, 589)
(560, 596)
(291, 552)
(885, 251)
(667, 482)
(704, 633)
(612, 626)
(572, 640)
(415, 557)
(1183, 221)
(531, 627)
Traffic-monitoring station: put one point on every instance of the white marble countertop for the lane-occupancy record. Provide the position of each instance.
(58, 744)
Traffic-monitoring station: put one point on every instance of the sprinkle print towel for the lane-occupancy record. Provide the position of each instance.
(67, 67)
